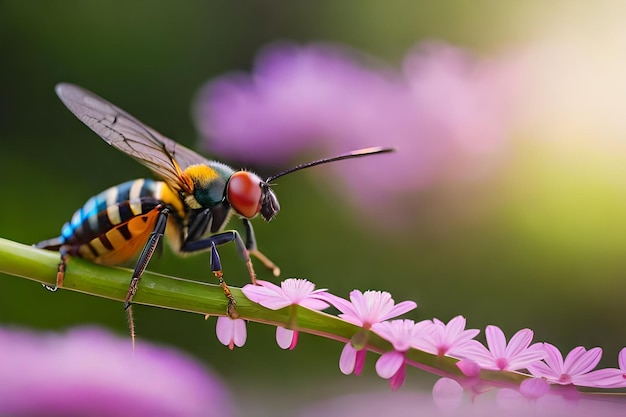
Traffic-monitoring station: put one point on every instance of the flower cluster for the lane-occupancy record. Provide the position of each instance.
(375, 312)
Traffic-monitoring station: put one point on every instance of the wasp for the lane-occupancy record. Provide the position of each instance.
(191, 204)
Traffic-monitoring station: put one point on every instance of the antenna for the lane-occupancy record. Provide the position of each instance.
(354, 154)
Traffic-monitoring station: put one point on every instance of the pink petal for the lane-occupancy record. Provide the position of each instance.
(428, 341)
(260, 294)
(284, 337)
(399, 309)
(389, 363)
(314, 304)
(572, 358)
(231, 332)
(582, 361)
(452, 339)
(465, 349)
(275, 303)
(398, 378)
(456, 325)
(239, 332)
(297, 290)
(554, 359)
(347, 360)
(534, 388)
(469, 368)
(360, 361)
(371, 306)
(292, 291)
(468, 334)
(447, 394)
(351, 318)
(496, 341)
(339, 303)
(533, 354)
(518, 343)
(482, 356)
(542, 370)
(253, 292)
(224, 330)
(357, 299)
(621, 359)
(602, 378)
(270, 286)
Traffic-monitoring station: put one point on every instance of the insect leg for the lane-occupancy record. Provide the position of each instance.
(252, 249)
(60, 270)
(220, 239)
(56, 244)
(216, 267)
(142, 263)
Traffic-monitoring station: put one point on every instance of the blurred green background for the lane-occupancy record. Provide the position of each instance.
(540, 245)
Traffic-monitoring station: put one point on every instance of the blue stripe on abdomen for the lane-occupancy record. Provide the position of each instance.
(92, 219)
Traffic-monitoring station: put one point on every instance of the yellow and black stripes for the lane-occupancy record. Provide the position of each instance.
(113, 223)
(109, 208)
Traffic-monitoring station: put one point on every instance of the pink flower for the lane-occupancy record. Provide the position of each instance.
(91, 372)
(403, 335)
(365, 310)
(450, 339)
(292, 292)
(575, 369)
(371, 307)
(231, 332)
(517, 354)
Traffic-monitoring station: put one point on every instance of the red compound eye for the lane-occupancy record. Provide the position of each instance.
(243, 192)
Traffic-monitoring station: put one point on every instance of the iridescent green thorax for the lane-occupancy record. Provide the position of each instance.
(209, 182)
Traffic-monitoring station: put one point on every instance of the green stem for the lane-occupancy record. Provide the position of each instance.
(198, 297)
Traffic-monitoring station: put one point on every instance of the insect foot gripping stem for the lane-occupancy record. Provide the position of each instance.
(60, 271)
(216, 267)
(142, 263)
(56, 244)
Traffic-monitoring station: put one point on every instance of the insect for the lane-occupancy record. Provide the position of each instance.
(191, 205)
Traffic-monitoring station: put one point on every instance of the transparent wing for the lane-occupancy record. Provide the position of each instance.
(119, 129)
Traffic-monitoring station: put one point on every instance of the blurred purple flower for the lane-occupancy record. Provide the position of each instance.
(577, 368)
(512, 356)
(446, 112)
(88, 371)
(419, 403)
(533, 388)
(447, 394)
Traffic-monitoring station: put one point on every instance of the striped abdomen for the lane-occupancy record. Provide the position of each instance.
(114, 225)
